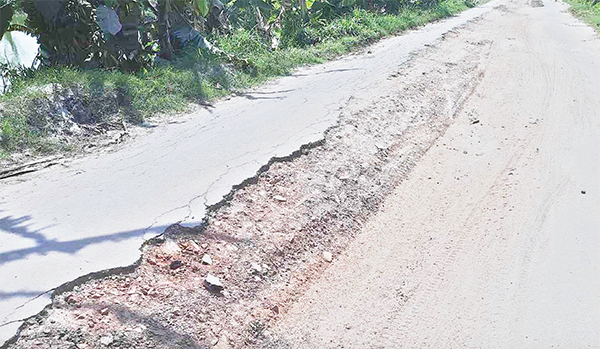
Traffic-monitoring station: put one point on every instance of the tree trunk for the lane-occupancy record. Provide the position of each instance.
(164, 37)
(303, 5)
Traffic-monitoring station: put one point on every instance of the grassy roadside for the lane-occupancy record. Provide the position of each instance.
(586, 10)
(44, 110)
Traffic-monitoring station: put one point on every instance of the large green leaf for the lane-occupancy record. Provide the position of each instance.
(247, 4)
(202, 7)
(18, 49)
(108, 20)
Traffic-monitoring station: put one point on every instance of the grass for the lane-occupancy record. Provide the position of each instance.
(585, 10)
(28, 114)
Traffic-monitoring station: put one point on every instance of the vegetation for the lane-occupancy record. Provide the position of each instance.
(588, 10)
(107, 79)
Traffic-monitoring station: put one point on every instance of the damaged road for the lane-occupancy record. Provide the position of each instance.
(224, 283)
(453, 203)
(94, 213)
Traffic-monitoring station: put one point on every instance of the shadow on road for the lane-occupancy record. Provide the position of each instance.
(20, 294)
(18, 226)
(251, 97)
(326, 72)
(157, 324)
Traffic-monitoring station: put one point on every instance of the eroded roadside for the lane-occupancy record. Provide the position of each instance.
(267, 239)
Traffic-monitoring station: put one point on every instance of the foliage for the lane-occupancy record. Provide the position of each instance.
(588, 10)
(130, 34)
(245, 57)
(110, 33)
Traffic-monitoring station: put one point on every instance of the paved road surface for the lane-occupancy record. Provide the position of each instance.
(494, 240)
(95, 213)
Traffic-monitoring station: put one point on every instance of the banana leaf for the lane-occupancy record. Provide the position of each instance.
(202, 7)
(108, 20)
(48, 8)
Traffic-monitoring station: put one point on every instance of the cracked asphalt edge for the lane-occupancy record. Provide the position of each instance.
(69, 286)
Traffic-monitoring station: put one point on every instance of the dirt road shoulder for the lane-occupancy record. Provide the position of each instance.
(493, 240)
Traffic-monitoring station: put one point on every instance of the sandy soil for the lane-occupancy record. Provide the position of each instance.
(493, 241)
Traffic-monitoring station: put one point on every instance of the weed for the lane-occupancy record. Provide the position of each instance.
(588, 11)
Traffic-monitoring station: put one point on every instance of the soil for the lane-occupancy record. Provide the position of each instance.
(493, 240)
(275, 233)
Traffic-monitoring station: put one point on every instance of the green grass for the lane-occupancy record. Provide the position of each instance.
(24, 117)
(586, 11)
(337, 37)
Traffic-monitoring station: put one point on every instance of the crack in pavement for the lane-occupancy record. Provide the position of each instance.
(202, 195)
(338, 105)
(205, 194)
(21, 306)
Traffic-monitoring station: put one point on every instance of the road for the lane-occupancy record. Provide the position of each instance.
(94, 213)
(494, 239)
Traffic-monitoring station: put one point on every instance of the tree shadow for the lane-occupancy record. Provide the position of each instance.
(18, 226)
(158, 329)
(20, 294)
(326, 72)
(272, 92)
(253, 98)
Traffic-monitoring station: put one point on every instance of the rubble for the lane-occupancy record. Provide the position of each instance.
(213, 283)
(207, 260)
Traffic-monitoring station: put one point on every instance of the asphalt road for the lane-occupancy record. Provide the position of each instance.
(494, 239)
(95, 212)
